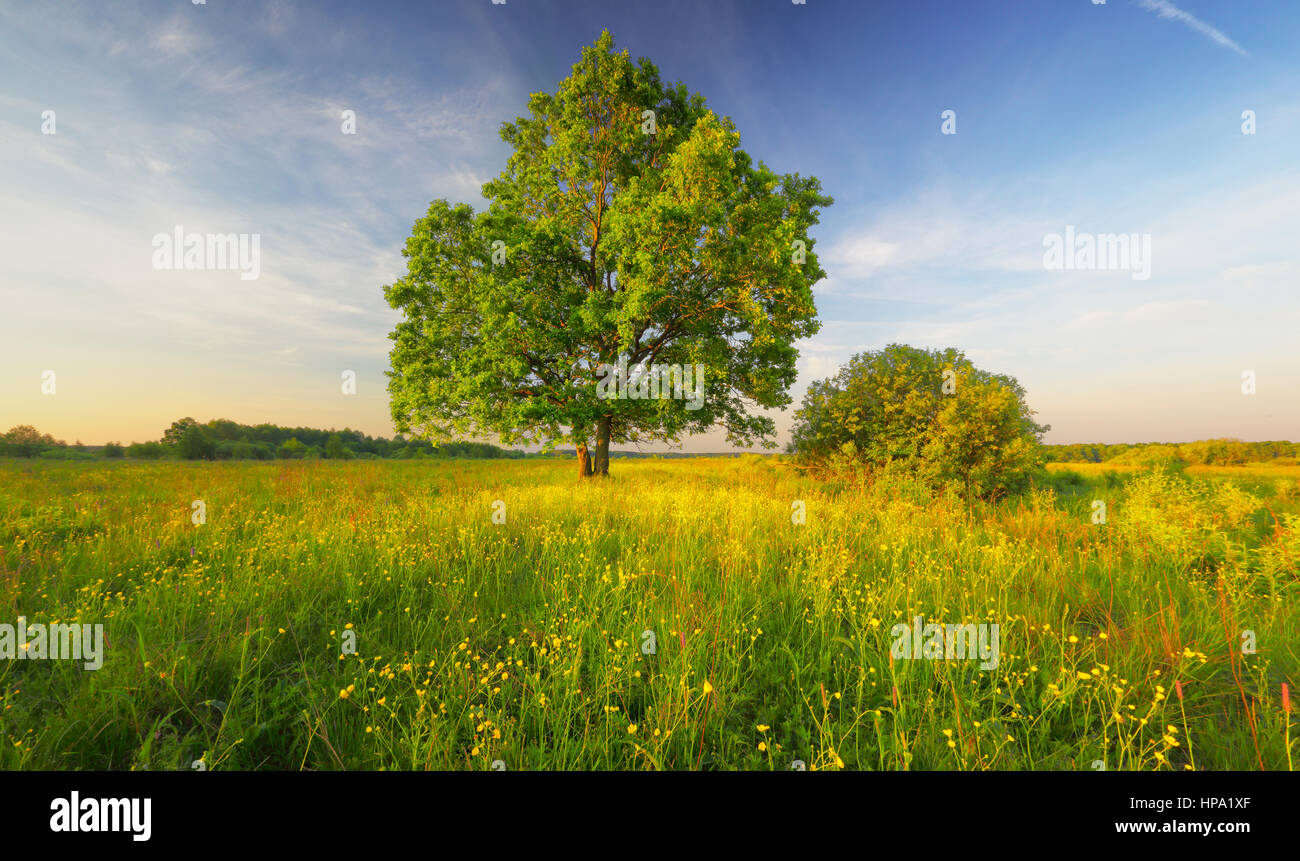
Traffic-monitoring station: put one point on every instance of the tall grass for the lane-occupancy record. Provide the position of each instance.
(528, 642)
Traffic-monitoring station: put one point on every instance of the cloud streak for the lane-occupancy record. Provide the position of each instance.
(1169, 11)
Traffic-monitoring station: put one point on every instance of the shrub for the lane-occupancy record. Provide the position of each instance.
(1067, 481)
(1281, 554)
(1166, 513)
(928, 412)
(27, 441)
(1286, 489)
(65, 454)
(145, 450)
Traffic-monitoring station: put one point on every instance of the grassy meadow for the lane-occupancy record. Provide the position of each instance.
(670, 617)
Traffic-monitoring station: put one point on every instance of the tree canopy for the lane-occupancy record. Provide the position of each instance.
(628, 229)
(929, 411)
(27, 441)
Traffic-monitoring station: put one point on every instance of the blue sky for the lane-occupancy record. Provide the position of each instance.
(1115, 118)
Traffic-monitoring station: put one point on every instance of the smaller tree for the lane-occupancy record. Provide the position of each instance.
(173, 434)
(27, 441)
(334, 449)
(930, 411)
(195, 445)
(114, 450)
(981, 442)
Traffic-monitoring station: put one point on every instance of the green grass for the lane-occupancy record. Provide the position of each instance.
(522, 642)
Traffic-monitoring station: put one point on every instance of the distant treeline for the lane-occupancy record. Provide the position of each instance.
(1225, 452)
(222, 439)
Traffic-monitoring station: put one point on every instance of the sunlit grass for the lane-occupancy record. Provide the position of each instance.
(522, 642)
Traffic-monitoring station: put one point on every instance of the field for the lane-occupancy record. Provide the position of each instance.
(372, 615)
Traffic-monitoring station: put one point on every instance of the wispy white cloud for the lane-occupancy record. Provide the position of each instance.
(931, 232)
(1168, 10)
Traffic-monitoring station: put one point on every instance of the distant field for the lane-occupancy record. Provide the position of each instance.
(528, 642)
(1283, 471)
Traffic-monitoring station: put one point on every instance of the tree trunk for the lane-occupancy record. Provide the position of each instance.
(602, 445)
(584, 462)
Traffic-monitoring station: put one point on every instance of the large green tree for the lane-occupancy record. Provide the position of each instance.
(627, 227)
